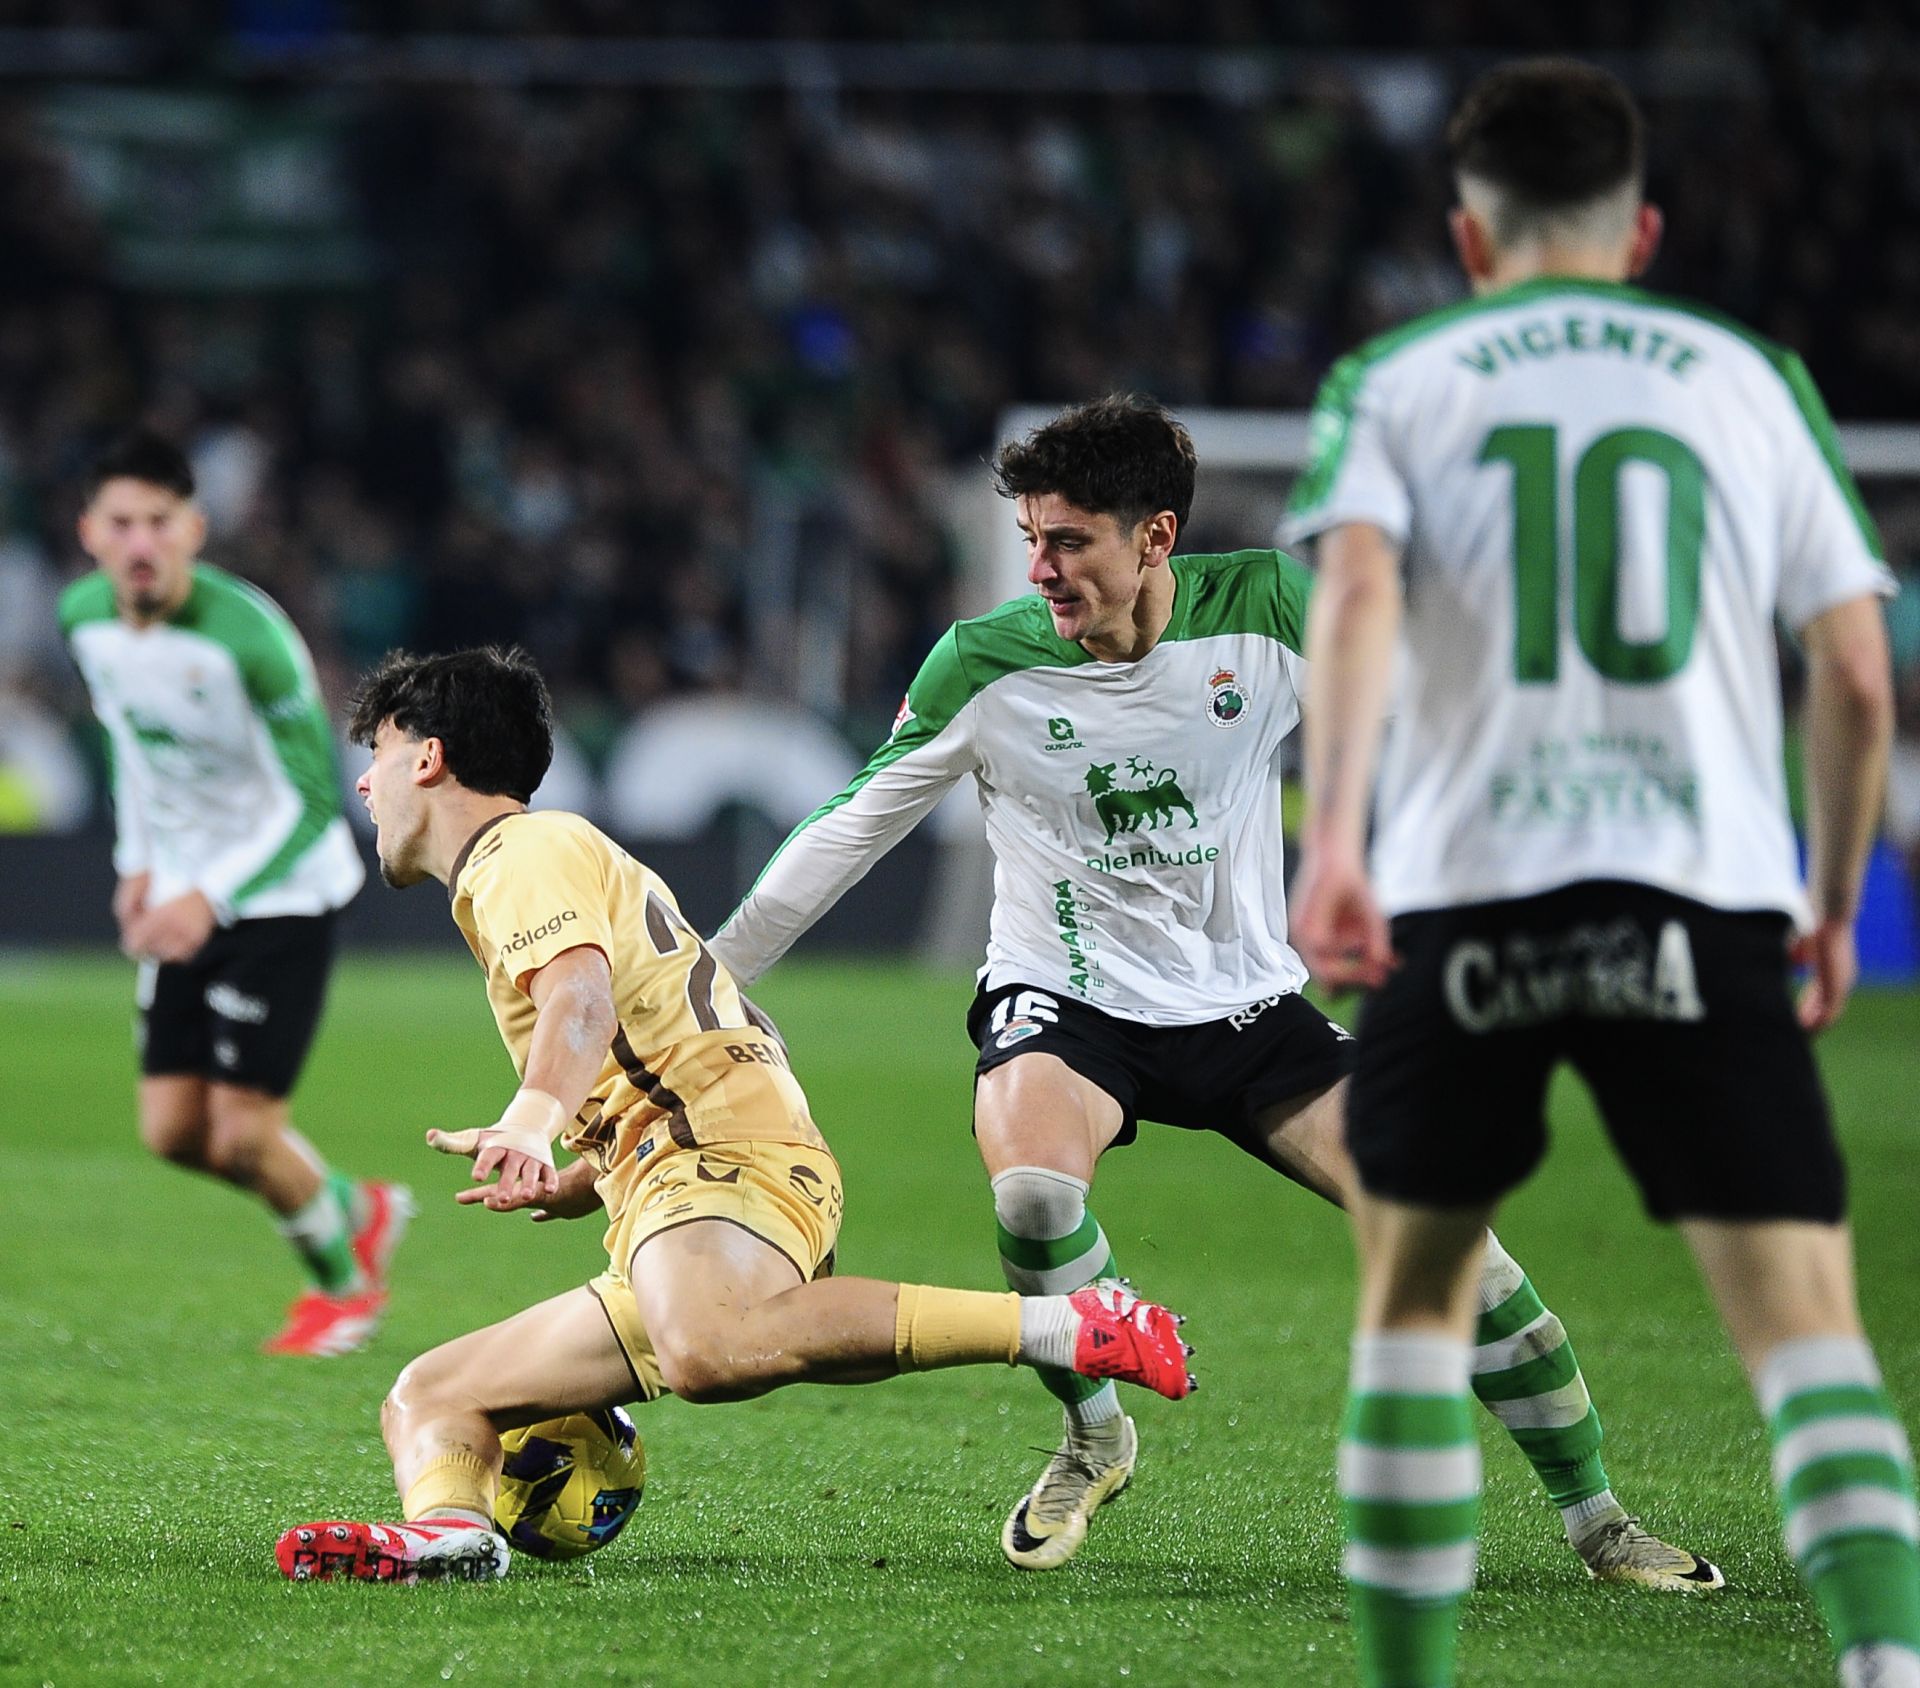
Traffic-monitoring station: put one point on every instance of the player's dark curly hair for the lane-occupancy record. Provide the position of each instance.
(488, 707)
(140, 456)
(1122, 456)
(1552, 134)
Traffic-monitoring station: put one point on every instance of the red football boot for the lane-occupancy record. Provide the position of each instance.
(385, 1210)
(398, 1553)
(321, 1325)
(1134, 1341)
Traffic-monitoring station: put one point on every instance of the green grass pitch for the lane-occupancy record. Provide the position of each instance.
(149, 1454)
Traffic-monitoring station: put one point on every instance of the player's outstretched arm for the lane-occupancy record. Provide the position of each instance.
(929, 749)
(1849, 731)
(1353, 623)
(577, 1020)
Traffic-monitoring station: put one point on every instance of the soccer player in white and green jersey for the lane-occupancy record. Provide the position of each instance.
(1576, 509)
(1124, 730)
(232, 856)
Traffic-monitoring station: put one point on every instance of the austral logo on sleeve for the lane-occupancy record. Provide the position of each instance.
(1061, 736)
(551, 927)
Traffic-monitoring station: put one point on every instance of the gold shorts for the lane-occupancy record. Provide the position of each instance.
(786, 1194)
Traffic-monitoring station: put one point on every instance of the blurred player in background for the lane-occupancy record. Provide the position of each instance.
(634, 1042)
(232, 856)
(1573, 510)
(1125, 728)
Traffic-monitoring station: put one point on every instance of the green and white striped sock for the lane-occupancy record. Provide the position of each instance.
(1844, 1474)
(322, 1235)
(1525, 1374)
(1410, 1495)
(1051, 1245)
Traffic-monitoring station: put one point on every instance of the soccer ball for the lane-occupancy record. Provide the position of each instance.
(570, 1484)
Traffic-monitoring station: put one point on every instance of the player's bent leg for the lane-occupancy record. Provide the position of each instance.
(324, 1216)
(1305, 1138)
(173, 1118)
(250, 1144)
(728, 1320)
(1526, 1374)
(442, 1422)
(711, 1298)
(1524, 1369)
(453, 1401)
(1842, 1465)
(1409, 1464)
(1041, 1127)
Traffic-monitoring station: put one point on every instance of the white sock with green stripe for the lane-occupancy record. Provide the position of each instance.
(1410, 1495)
(1525, 1374)
(1844, 1474)
(322, 1235)
(1051, 1245)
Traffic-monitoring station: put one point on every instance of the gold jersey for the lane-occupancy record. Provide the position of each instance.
(687, 1065)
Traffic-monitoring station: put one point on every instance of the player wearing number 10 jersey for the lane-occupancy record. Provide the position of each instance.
(1593, 503)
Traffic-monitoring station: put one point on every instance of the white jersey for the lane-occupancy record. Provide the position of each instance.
(1133, 808)
(1603, 499)
(224, 778)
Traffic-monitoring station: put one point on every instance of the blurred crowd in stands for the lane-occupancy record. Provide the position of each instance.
(682, 388)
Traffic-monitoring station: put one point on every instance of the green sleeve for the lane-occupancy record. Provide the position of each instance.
(1328, 433)
(938, 693)
(1293, 586)
(1813, 411)
(280, 683)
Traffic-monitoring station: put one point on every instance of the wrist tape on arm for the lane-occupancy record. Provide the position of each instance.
(530, 1123)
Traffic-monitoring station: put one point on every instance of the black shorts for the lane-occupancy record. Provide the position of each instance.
(1679, 1017)
(1215, 1076)
(244, 1010)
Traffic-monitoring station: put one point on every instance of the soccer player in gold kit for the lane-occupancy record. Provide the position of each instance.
(637, 1049)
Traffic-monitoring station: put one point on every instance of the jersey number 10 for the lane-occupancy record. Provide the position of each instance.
(1533, 449)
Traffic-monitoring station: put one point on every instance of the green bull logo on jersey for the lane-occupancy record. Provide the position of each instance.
(1123, 808)
(1148, 806)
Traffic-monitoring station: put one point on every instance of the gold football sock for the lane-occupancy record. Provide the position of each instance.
(954, 1327)
(461, 1482)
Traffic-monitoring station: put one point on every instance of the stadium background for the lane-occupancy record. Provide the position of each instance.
(669, 339)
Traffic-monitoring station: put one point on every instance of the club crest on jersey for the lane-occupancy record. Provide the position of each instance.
(1227, 699)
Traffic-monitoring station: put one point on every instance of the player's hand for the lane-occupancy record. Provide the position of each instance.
(578, 1196)
(177, 930)
(1828, 953)
(130, 901)
(527, 1174)
(1336, 924)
